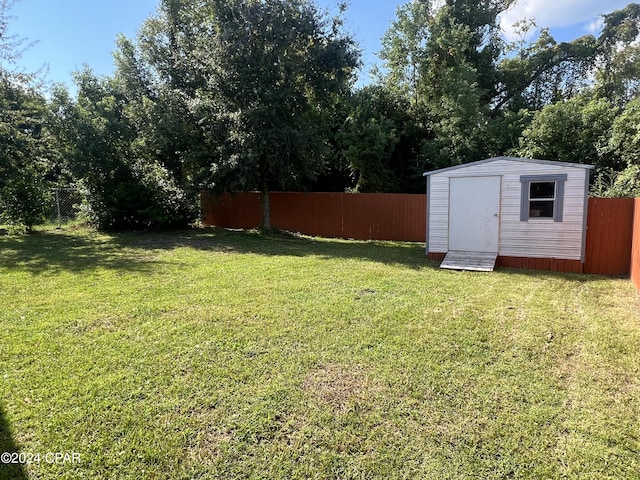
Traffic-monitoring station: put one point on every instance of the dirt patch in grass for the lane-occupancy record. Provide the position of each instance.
(339, 386)
(212, 442)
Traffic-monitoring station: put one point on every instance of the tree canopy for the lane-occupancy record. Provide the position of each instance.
(477, 95)
(231, 95)
(275, 73)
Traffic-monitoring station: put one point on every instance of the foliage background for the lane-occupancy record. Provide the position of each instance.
(246, 95)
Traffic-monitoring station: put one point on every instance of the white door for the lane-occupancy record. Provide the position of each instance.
(474, 209)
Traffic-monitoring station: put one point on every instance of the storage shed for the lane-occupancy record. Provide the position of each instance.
(514, 211)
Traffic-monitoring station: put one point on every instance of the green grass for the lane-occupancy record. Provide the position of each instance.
(217, 354)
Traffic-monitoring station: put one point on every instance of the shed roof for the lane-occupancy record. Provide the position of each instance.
(511, 159)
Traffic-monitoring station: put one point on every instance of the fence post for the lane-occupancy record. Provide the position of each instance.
(58, 206)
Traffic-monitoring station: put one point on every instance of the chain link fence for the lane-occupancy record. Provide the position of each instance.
(62, 207)
(65, 206)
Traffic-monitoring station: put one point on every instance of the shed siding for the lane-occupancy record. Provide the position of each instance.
(536, 238)
(438, 206)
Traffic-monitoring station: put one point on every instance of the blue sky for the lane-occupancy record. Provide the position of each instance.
(70, 33)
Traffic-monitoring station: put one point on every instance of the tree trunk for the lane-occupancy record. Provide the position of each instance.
(266, 209)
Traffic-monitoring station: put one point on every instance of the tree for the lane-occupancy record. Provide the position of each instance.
(454, 91)
(162, 75)
(576, 130)
(237, 94)
(381, 142)
(612, 184)
(444, 58)
(98, 142)
(11, 46)
(466, 83)
(403, 50)
(276, 72)
(625, 135)
(533, 75)
(618, 55)
(23, 164)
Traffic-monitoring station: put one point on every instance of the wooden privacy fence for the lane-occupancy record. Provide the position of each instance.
(609, 236)
(613, 225)
(362, 216)
(635, 245)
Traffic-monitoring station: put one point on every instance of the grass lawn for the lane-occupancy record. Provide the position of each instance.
(216, 354)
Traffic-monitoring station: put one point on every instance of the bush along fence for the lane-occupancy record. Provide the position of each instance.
(613, 225)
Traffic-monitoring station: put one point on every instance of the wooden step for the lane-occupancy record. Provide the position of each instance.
(474, 261)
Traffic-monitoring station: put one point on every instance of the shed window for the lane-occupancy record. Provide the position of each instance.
(542, 197)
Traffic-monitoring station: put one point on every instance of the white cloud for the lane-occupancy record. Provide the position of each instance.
(584, 14)
(595, 26)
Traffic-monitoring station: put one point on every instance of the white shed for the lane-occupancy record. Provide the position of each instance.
(507, 208)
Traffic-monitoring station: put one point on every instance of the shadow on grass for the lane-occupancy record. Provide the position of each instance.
(8, 471)
(54, 251)
(410, 255)
(84, 250)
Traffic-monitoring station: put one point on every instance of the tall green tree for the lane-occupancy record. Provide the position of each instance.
(467, 84)
(618, 55)
(276, 71)
(624, 142)
(624, 145)
(446, 56)
(23, 154)
(163, 74)
(158, 107)
(534, 74)
(404, 52)
(237, 94)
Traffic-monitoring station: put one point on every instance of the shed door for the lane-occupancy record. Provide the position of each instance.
(474, 208)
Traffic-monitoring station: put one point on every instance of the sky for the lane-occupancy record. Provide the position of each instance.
(72, 33)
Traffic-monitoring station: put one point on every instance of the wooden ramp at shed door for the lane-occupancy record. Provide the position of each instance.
(474, 261)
